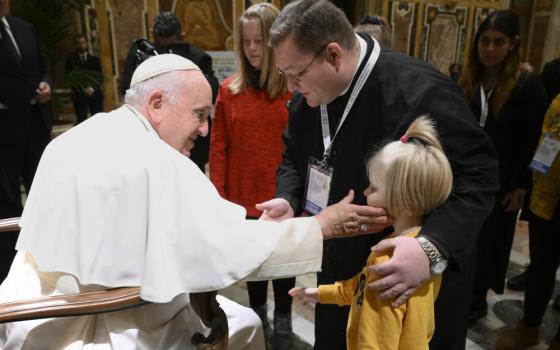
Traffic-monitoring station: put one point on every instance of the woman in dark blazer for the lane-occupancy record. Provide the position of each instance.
(509, 104)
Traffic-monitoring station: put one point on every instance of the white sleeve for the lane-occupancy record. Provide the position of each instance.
(298, 251)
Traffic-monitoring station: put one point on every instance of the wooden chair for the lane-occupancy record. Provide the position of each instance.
(204, 304)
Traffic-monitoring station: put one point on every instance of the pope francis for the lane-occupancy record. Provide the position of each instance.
(116, 202)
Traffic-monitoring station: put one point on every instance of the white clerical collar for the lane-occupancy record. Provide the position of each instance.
(149, 128)
(363, 50)
(5, 23)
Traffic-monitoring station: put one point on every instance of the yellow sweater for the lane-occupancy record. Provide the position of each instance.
(546, 187)
(375, 324)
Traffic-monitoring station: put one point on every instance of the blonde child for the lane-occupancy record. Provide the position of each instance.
(409, 178)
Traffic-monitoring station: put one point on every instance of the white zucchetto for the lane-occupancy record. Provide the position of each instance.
(160, 64)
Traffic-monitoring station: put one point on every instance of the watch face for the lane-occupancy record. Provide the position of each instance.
(439, 267)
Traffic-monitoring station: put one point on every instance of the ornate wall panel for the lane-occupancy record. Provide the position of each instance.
(539, 28)
(403, 23)
(443, 35)
(541, 32)
(112, 26)
(165, 5)
(544, 5)
(204, 23)
(551, 49)
(128, 22)
(437, 31)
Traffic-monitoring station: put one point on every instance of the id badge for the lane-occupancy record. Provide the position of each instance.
(318, 186)
(545, 155)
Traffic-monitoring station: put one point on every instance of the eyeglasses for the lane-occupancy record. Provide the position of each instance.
(297, 77)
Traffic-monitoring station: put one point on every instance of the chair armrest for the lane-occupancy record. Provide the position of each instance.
(71, 304)
(67, 305)
(10, 224)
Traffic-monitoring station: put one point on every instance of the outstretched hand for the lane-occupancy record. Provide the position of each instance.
(307, 295)
(345, 219)
(276, 209)
(408, 269)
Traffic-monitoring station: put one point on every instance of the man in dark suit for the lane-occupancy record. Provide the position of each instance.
(89, 96)
(25, 118)
(350, 95)
(168, 33)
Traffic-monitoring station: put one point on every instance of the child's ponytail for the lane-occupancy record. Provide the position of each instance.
(423, 131)
(414, 171)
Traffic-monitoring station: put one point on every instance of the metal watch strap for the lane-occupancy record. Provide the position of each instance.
(433, 255)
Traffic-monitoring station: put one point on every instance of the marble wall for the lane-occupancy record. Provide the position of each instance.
(437, 31)
(112, 25)
(441, 32)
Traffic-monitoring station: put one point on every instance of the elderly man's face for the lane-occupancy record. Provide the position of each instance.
(186, 117)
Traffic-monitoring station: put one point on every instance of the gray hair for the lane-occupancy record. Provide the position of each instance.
(169, 83)
(166, 24)
(312, 24)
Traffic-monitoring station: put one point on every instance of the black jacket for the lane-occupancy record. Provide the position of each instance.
(515, 129)
(551, 78)
(398, 90)
(19, 80)
(92, 63)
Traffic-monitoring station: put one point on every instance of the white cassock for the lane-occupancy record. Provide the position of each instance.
(112, 205)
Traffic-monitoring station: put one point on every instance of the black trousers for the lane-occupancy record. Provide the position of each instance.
(452, 307)
(544, 240)
(82, 103)
(330, 326)
(18, 163)
(493, 250)
(282, 300)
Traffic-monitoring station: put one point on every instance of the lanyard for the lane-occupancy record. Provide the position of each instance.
(327, 141)
(484, 103)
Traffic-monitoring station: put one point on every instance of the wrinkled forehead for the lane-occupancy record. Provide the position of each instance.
(288, 55)
(197, 87)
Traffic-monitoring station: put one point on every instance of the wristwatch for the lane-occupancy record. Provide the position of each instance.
(437, 262)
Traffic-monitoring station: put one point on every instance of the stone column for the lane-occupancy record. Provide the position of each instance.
(552, 45)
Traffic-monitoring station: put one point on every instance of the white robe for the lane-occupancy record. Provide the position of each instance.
(112, 205)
